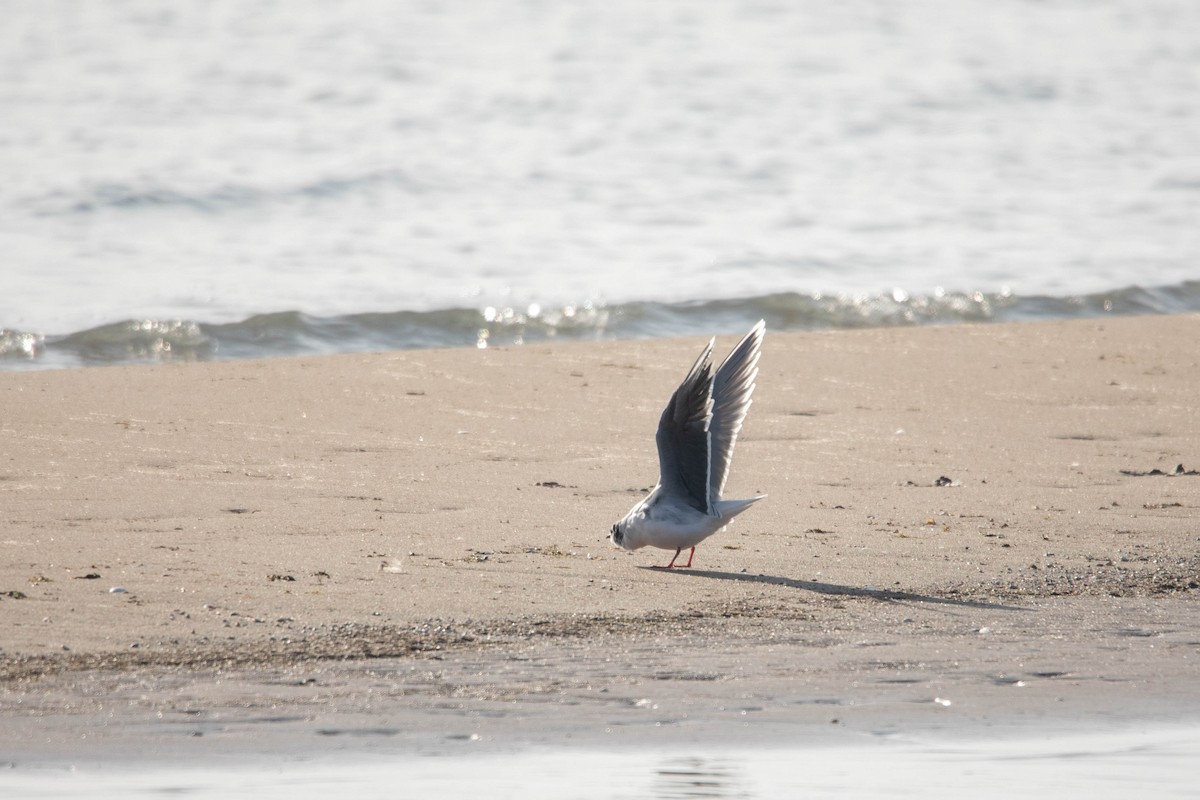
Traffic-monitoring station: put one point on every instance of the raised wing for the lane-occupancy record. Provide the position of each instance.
(732, 386)
(683, 443)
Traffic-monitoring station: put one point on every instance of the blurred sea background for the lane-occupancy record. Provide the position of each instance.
(207, 180)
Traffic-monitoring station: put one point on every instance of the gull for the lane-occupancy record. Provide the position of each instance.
(696, 435)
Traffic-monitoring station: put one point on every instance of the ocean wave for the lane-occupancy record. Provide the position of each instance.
(293, 333)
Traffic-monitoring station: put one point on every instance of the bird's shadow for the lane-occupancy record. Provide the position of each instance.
(838, 590)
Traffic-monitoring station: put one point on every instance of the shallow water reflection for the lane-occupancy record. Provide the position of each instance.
(1097, 766)
(699, 777)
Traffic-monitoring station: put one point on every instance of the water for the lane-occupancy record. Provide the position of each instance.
(1101, 764)
(277, 178)
(295, 333)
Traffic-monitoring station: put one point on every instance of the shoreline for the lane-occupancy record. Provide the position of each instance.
(158, 340)
(856, 665)
(850, 673)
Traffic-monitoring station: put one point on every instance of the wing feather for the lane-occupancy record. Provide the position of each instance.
(732, 386)
(683, 435)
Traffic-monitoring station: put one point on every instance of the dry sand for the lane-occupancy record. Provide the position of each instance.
(968, 506)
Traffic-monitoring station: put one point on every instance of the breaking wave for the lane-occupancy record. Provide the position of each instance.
(293, 333)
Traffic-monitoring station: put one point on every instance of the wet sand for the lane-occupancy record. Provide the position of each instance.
(410, 548)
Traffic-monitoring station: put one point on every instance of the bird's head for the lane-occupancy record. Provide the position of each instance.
(617, 535)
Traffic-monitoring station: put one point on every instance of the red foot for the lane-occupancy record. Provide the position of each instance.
(691, 554)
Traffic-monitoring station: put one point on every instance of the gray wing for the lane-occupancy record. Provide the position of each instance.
(732, 387)
(683, 438)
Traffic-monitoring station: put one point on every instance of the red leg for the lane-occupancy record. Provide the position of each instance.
(691, 554)
(668, 566)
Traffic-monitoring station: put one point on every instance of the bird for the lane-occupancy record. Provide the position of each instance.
(696, 435)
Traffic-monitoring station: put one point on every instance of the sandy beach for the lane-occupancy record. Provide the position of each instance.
(951, 510)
